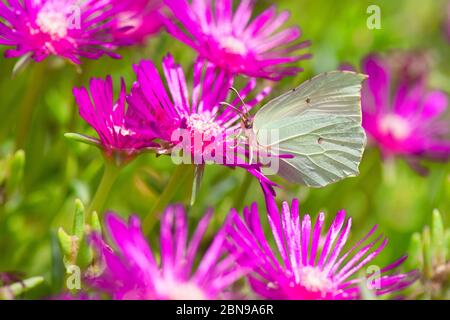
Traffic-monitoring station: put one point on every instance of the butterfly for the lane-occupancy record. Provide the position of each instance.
(318, 125)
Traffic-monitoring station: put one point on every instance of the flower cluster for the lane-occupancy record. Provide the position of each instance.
(151, 118)
(314, 264)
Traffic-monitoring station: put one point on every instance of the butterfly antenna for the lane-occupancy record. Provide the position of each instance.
(244, 105)
(232, 107)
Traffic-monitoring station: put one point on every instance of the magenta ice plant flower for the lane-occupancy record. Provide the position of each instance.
(134, 271)
(138, 21)
(401, 115)
(119, 131)
(314, 264)
(194, 119)
(259, 48)
(70, 29)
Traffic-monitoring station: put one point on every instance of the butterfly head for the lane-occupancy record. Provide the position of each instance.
(247, 123)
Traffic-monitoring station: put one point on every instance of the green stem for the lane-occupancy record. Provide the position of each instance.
(29, 102)
(238, 202)
(110, 174)
(176, 181)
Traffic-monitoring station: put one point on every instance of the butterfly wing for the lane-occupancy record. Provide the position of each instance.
(320, 125)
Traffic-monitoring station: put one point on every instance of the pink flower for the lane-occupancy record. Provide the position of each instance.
(66, 28)
(133, 272)
(194, 120)
(118, 128)
(140, 20)
(313, 266)
(401, 115)
(229, 40)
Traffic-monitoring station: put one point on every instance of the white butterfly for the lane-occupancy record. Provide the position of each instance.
(319, 124)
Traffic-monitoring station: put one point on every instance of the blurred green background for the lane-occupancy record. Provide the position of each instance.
(58, 171)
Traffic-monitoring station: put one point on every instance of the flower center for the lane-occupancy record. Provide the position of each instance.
(122, 131)
(204, 123)
(53, 20)
(395, 125)
(174, 290)
(314, 280)
(233, 45)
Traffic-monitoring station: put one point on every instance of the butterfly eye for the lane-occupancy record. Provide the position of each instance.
(248, 124)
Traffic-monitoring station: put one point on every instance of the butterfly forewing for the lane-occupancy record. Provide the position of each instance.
(319, 124)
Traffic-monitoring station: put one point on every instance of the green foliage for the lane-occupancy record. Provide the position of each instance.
(11, 176)
(75, 246)
(429, 253)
